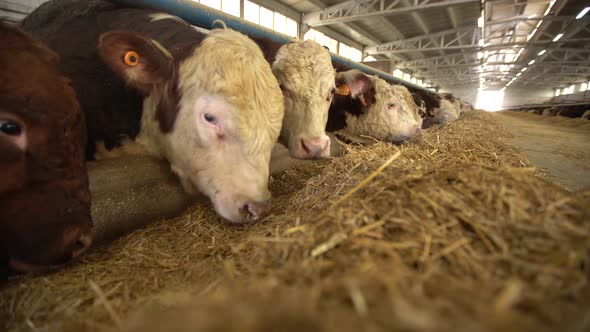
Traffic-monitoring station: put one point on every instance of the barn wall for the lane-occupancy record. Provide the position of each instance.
(380, 65)
(465, 92)
(16, 10)
(525, 96)
(574, 97)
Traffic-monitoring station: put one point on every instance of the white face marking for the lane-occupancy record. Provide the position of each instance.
(389, 119)
(305, 72)
(225, 128)
(445, 113)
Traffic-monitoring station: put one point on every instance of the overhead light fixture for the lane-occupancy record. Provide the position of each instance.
(549, 7)
(480, 22)
(531, 62)
(518, 74)
(542, 52)
(523, 69)
(558, 37)
(582, 13)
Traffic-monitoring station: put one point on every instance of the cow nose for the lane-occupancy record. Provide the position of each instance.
(81, 245)
(78, 241)
(254, 211)
(318, 147)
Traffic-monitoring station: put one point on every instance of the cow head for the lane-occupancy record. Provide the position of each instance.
(445, 113)
(44, 197)
(372, 108)
(306, 76)
(215, 115)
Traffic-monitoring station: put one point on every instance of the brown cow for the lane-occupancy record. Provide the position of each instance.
(44, 197)
(207, 103)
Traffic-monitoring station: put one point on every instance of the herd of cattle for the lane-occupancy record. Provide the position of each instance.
(570, 111)
(81, 79)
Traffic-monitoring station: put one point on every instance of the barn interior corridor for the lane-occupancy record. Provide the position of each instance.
(559, 150)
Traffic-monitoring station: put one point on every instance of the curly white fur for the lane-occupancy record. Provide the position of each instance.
(304, 69)
(389, 119)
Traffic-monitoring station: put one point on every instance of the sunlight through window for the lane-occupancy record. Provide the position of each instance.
(490, 100)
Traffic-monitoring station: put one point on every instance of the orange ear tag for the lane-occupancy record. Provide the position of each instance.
(131, 58)
(343, 90)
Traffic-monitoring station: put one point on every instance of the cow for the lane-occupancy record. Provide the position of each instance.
(586, 115)
(367, 106)
(207, 103)
(307, 79)
(574, 111)
(438, 109)
(300, 67)
(408, 101)
(44, 196)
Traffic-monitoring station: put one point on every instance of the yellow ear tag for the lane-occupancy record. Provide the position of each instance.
(343, 90)
(131, 58)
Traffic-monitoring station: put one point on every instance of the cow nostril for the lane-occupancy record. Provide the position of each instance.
(81, 245)
(304, 147)
(253, 211)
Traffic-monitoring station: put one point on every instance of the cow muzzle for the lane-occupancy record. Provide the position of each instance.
(313, 148)
(76, 240)
(241, 210)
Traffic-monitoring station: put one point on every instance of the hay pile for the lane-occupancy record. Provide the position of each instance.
(554, 120)
(451, 233)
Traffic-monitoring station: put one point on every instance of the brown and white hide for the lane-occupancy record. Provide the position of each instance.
(381, 114)
(207, 103)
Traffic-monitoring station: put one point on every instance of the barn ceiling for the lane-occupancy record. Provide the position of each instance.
(492, 44)
(448, 43)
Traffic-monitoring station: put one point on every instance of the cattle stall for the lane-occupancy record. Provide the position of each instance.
(456, 227)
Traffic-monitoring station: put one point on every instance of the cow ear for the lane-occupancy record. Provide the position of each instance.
(139, 61)
(356, 84)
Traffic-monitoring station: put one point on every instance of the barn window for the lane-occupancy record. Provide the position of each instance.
(251, 12)
(231, 7)
(398, 73)
(266, 17)
(291, 28)
(216, 4)
(280, 23)
(490, 100)
(557, 92)
(350, 52)
(369, 58)
(322, 39)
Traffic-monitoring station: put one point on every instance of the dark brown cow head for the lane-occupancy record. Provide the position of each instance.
(44, 197)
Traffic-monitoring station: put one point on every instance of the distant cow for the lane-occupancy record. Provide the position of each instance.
(367, 106)
(439, 110)
(208, 103)
(574, 111)
(408, 101)
(304, 71)
(44, 197)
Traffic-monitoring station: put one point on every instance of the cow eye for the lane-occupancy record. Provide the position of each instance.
(10, 128)
(210, 118)
(331, 94)
(391, 105)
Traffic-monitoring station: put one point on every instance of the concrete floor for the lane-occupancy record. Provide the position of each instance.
(562, 152)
